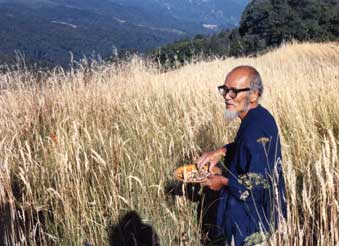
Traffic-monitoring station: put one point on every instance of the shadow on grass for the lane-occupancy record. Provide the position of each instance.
(207, 206)
(131, 231)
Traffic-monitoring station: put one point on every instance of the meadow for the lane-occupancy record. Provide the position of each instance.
(78, 149)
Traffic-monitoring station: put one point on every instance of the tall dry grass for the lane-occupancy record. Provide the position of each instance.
(85, 146)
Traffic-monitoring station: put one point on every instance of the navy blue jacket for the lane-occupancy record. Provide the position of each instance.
(254, 200)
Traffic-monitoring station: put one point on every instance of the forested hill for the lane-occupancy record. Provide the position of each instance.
(264, 23)
(48, 31)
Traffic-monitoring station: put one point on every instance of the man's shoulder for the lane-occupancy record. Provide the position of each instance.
(262, 124)
(264, 113)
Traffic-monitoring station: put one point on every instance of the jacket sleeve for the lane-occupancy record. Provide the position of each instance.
(251, 181)
(230, 149)
(229, 146)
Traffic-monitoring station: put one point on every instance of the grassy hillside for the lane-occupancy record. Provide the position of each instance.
(78, 150)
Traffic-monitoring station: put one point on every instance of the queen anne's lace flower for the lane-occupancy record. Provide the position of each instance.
(257, 238)
(251, 180)
(244, 195)
(263, 140)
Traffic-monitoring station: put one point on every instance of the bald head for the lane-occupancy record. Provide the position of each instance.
(248, 75)
(242, 89)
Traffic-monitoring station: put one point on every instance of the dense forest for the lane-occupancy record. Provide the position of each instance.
(264, 24)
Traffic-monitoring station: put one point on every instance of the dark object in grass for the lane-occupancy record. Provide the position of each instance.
(207, 206)
(131, 231)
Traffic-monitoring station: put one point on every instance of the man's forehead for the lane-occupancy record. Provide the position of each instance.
(237, 79)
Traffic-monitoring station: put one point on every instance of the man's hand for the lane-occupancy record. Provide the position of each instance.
(211, 157)
(216, 182)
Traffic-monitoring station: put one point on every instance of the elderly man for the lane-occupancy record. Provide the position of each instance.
(252, 193)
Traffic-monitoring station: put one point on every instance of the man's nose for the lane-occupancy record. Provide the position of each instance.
(227, 96)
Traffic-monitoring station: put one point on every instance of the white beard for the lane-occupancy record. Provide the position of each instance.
(230, 115)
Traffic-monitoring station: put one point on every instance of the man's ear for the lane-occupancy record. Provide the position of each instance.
(254, 96)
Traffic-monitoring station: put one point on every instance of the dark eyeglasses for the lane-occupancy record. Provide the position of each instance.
(232, 92)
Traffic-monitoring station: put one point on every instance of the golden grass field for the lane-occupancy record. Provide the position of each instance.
(90, 144)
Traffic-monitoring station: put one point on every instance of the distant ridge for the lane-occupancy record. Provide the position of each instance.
(47, 31)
